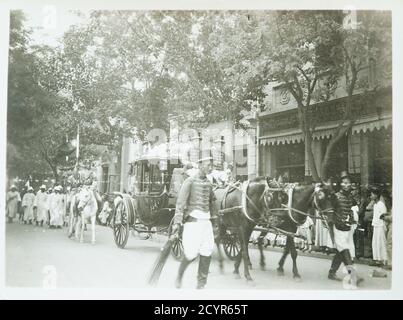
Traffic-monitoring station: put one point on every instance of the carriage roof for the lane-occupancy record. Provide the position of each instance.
(154, 158)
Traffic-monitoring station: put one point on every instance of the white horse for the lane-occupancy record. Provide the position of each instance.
(87, 207)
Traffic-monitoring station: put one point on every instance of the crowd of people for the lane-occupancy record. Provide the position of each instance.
(46, 207)
(370, 231)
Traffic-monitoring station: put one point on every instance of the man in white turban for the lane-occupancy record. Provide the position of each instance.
(41, 205)
(12, 200)
(28, 205)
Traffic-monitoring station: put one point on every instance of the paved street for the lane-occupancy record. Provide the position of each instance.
(32, 251)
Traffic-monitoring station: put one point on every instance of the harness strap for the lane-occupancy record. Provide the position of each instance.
(289, 211)
(244, 204)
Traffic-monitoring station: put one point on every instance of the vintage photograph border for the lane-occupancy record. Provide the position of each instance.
(396, 292)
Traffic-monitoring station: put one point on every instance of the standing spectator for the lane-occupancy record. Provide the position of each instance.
(354, 225)
(41, 205)
(321, 235)
(48, 200)
(106, 211)
(368, 230)
(379, 253)
(20, 208)
(388, 222)
(305, 230)
(12, 200)
(28, 205)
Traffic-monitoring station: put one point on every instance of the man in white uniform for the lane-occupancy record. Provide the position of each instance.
(195, 209)
(12, 200)
(28, 205)
(56, 207)
(41, 205)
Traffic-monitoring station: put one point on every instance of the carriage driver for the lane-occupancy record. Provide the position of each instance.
(195, 208)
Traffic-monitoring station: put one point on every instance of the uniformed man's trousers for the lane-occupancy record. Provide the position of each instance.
(198, 238)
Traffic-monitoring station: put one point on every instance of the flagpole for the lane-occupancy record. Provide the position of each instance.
(78, 144)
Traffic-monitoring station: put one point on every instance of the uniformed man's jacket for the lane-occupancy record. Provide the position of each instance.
(343, 216)
(195, 194)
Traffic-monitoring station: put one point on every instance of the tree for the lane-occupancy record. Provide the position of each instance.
(311, 54)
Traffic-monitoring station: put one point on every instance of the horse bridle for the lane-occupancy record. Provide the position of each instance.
(85, 204)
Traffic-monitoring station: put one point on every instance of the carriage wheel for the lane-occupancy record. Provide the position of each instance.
(121, 225)
(232, 246)
(177, 247)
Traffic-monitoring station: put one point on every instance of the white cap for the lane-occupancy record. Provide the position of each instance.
(30, 188)
(42, 187)
(13, 186)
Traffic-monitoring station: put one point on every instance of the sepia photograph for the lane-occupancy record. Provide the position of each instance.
(203, 149)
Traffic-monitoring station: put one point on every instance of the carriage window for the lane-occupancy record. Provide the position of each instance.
(143, 176)
(156, 179)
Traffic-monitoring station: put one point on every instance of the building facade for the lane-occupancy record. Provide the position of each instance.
(366, 152)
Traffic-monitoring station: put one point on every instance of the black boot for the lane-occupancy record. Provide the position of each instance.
(347, 260)
(202, 273)
(337, 260)
(182, 267)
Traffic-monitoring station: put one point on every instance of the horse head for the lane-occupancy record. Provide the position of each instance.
(84, 198)
(265, 196)
(324, 198)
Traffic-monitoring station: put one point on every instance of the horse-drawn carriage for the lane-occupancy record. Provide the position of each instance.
(151, 206)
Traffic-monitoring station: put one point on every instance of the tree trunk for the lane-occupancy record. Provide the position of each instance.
(55, 174)
(311, 159)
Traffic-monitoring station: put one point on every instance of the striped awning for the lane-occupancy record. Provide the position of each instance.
(296, 136)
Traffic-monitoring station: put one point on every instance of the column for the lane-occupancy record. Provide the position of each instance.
(124, 168)
(366, 165)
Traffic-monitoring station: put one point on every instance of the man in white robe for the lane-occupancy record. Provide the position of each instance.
(41, 205)
(12, 200)
(379, 252)
(28, 205)
(56, 207)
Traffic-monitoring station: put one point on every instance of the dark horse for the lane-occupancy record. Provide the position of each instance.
(261, 202)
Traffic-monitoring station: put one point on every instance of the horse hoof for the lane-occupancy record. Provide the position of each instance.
(297, 278)
(280, 272)
(237, 275)
(262, 267)
(92, 242)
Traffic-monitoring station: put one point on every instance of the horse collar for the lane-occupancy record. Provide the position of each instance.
(290, 193)
(244, 195)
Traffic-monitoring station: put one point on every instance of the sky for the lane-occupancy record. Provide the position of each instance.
(49, 23)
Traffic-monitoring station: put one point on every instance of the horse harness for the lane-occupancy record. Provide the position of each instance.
(263, 221)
